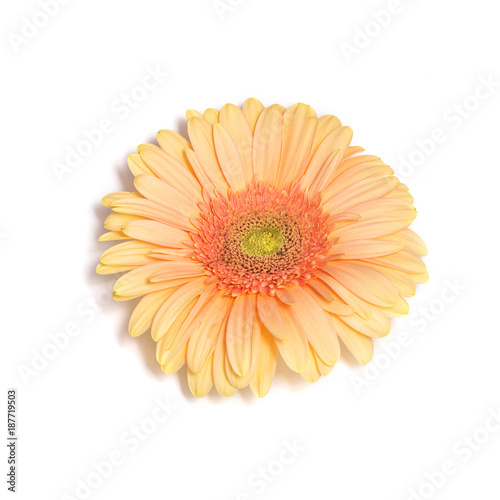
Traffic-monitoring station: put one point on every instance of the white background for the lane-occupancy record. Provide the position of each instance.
(361, 435)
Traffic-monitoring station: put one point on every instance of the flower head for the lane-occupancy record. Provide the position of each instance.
(266, 234)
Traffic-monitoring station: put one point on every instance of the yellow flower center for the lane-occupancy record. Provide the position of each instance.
(262, 241)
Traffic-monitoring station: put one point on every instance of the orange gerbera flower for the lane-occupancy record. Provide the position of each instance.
(266, 233)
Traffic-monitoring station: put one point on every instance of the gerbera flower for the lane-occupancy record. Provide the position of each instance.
(266, 234)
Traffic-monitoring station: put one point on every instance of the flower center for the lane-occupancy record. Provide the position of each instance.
(262, 238)
(262, 241)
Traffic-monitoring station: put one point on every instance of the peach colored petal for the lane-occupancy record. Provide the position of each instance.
(270, 315)
(267, 144)
(229, 159)
(201, 135)
(252, 108)
(360, 346)
(238, 128)
(266, 365)
(144, 312)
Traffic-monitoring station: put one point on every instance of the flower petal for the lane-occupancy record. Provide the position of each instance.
(271, 316)
(293, 349)
(360, 249)
(242, 334)
(130, 253)
(267, 144)
(366, 283)
(229, 159)
(137, 282)
(266, 365)
(326, 125)
(201, 383)
(137, 166)
(202, 343)
(200, 133)
(152, 210)
(237, 127)
(360, 346)
(156, 232)
(144, 312)
(173, 172)
(316, 325)
(175, 304)
(252, 108)
(300, 124)
(338, 140)
(211, 116)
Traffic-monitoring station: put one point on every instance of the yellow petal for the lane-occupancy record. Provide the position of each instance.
(200, 133)
(174, 361)
(229, 159)
(336, 141)
(270, 315)
(267, 143)
(201, 383)
(266, 365)
(242, 334)
(171, 349)
(111, 198)
(113, 235)
(156, 190)
(360, 249)
(326, 125)
(360, 346)
(105, 270)
(332, 303)
(294, 349)
(173, 172)
(115, 221)
(365, 190)
(311, 373)
(403, 261)
(202, 342)
(175, 304)
(366, 283)
(175, 270)
(144, 312)
(252, 108)
(316, 325)
(300, 124)
(137, 166)
(211, 116)
(175, 145)
(378, 325)
(236, 125)
(156, 233)
(137, 282)
(356, 174)
(412, 241)
(221, 382)
(152, 210)
(130, 253)
(192, 113)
